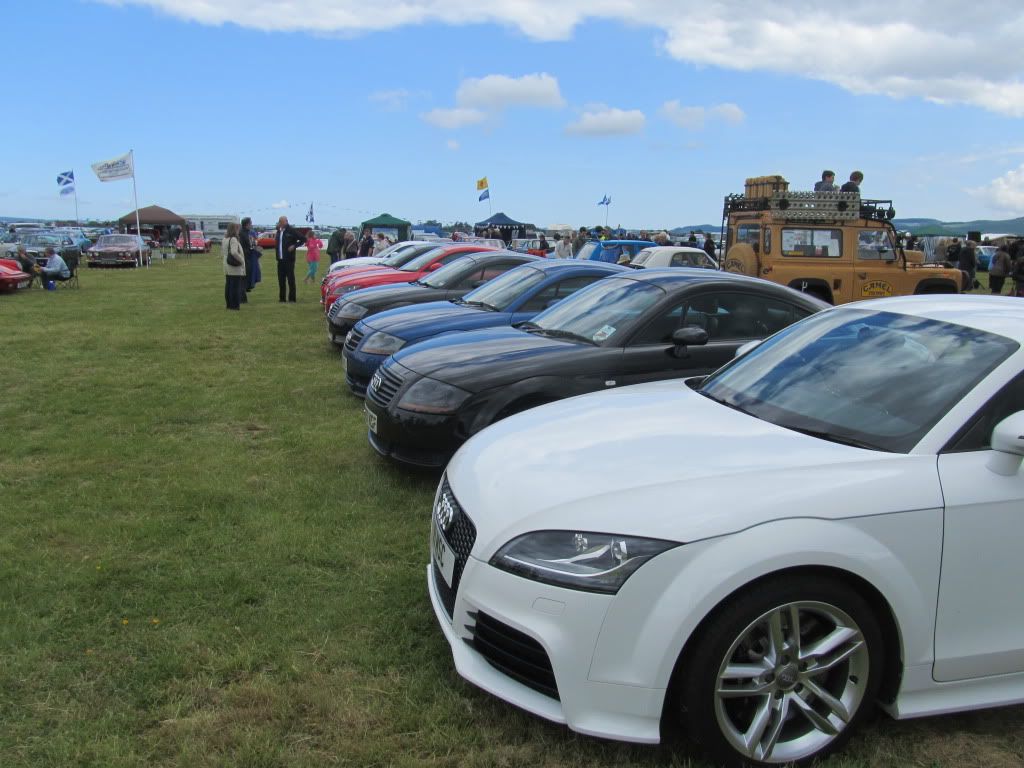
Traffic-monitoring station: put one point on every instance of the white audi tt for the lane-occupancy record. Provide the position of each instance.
(754, 560)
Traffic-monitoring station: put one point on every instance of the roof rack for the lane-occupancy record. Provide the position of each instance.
(813, 206)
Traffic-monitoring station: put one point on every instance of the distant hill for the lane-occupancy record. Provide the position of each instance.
(936, 227)
(695, 228)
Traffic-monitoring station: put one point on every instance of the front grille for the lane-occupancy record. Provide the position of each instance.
(384, 392)
(461, 535)
(513, 653)
(352, 340)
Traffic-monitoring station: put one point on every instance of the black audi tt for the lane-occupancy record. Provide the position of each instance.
(428, 398)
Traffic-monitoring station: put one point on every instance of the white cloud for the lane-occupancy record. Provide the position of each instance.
(280, 204)
(1005, 193)
(500, 91)
(694, 118)
(607, 121)
(393, 101)
(945, 51)
(453, 118)
(453, 145)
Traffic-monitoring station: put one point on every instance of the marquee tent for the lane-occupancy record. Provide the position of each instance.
(387, 222)
(509, 228)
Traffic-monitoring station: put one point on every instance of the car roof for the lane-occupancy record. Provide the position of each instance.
(680, 277)
(674, 248)
(485, 256)
(623, 242)
(1002, 315)
(553, 266)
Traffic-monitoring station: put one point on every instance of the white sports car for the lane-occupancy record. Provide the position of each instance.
(832, 520)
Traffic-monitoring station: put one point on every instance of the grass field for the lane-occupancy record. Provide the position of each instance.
(202, 562)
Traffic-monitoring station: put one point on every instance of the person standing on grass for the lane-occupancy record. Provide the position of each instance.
(312, 257)
(234, 268)
(252, 254)
(336, 245)
(998, 270)
(350, 246)
(288, 239)
(366, 244)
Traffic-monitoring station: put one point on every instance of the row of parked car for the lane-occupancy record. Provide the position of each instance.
(745, 548)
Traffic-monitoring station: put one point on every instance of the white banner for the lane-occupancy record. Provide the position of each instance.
(113, 170)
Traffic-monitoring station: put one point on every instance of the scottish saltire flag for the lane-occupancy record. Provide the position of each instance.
(485, 195)
(481, 184)
(66, 182)
(605, 200)
(309, 216)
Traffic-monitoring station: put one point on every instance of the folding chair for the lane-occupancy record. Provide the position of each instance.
(70, 282)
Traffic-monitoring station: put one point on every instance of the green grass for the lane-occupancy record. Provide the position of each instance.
(203, 563)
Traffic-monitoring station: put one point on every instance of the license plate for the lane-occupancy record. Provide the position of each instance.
(371, 421)
(23, 284)
(441, 554)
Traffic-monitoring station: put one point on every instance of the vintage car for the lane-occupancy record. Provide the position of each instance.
(753, 562)
(12, 278)
(119, 251)
(36, 243)
(197, 243)
(673, 256)
(267, 239)
(644, 325)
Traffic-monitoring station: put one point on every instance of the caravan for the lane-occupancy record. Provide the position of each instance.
(212, 227)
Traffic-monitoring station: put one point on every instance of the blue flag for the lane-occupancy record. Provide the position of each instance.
(66, 182)
(485, 195)
(605, 200)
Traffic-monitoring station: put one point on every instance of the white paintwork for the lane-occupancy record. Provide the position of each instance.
(662, 255)
(938, 536)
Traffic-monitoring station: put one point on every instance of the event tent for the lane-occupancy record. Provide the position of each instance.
(510, 228)
(387, 221)
(153, 216)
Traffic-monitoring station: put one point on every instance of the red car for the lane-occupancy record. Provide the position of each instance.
(421, 266)
(12, 278)
(197, 243)
(267, 239)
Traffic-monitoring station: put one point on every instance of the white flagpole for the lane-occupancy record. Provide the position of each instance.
(78, 222)
(135, 194)
(606, 207)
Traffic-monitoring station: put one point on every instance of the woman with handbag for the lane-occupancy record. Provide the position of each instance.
(234, 268)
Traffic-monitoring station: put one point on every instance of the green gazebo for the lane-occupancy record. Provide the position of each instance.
(387, 223)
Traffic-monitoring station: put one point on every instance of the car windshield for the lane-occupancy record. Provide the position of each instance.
(641, 258)
(500, 292)
(421, 261)
(398, 258)
(875, 379)
(451, 274)
(117, 240)
(602, 311)
(45, 240)
(587, 250)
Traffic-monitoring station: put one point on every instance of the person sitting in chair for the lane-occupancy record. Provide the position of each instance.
(56, 268)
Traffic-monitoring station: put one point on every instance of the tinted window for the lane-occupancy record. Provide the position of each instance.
(726, 317)
(556, 292)
(976, 434)
(504, 290)
(816, 243)
(605, 311)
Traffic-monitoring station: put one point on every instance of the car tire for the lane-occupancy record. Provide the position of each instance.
(755, 693)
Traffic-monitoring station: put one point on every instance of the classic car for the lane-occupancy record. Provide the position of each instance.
(673, 256)
(645, 325)
(36, 244)
(755, 561)
(267, 239)
(12, 278)
(511, 298)
(197, 243)
(119, 251)
(416, 269)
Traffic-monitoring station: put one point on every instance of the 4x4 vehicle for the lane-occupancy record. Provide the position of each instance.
(835, 245)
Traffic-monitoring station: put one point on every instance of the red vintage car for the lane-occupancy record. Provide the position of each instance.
(197, 243)
(421, 266)
(12, 278)
(267, 239)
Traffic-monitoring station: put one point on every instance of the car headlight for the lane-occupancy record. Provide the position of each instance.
(351, 311)
(380, 343)
(592, 562)
(432, 396)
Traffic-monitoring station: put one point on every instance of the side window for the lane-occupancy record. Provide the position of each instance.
(471, 280)
(452, 257)
(875, 244)
(813, 243)
(491, 271)
(749, 234)
(976, 433)
(569, 286)
(744, 316)
(660, 329)
(684, 259)
(611, 253)
(557, 292)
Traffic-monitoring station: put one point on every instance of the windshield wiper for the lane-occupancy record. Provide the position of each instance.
(726, 403)
(481, 304)
(834, 438)
(557, 333)
(526, 325)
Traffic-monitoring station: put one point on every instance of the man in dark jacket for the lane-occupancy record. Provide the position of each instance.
(252, 255)
(336, 245)
(709, 246)
(288, 239)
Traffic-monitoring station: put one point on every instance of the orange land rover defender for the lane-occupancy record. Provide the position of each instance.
(836, 245)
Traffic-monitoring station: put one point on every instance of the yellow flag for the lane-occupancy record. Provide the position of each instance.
(481, 183)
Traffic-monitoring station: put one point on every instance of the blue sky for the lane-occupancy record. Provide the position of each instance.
(238, 117)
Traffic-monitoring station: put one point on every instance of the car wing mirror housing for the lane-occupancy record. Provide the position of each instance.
(691, 335)
(744, 348)
(1008, 445)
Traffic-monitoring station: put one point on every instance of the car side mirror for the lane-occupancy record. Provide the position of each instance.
(1008, 445)
(435, 265)
(744, 348)
(682, 338)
